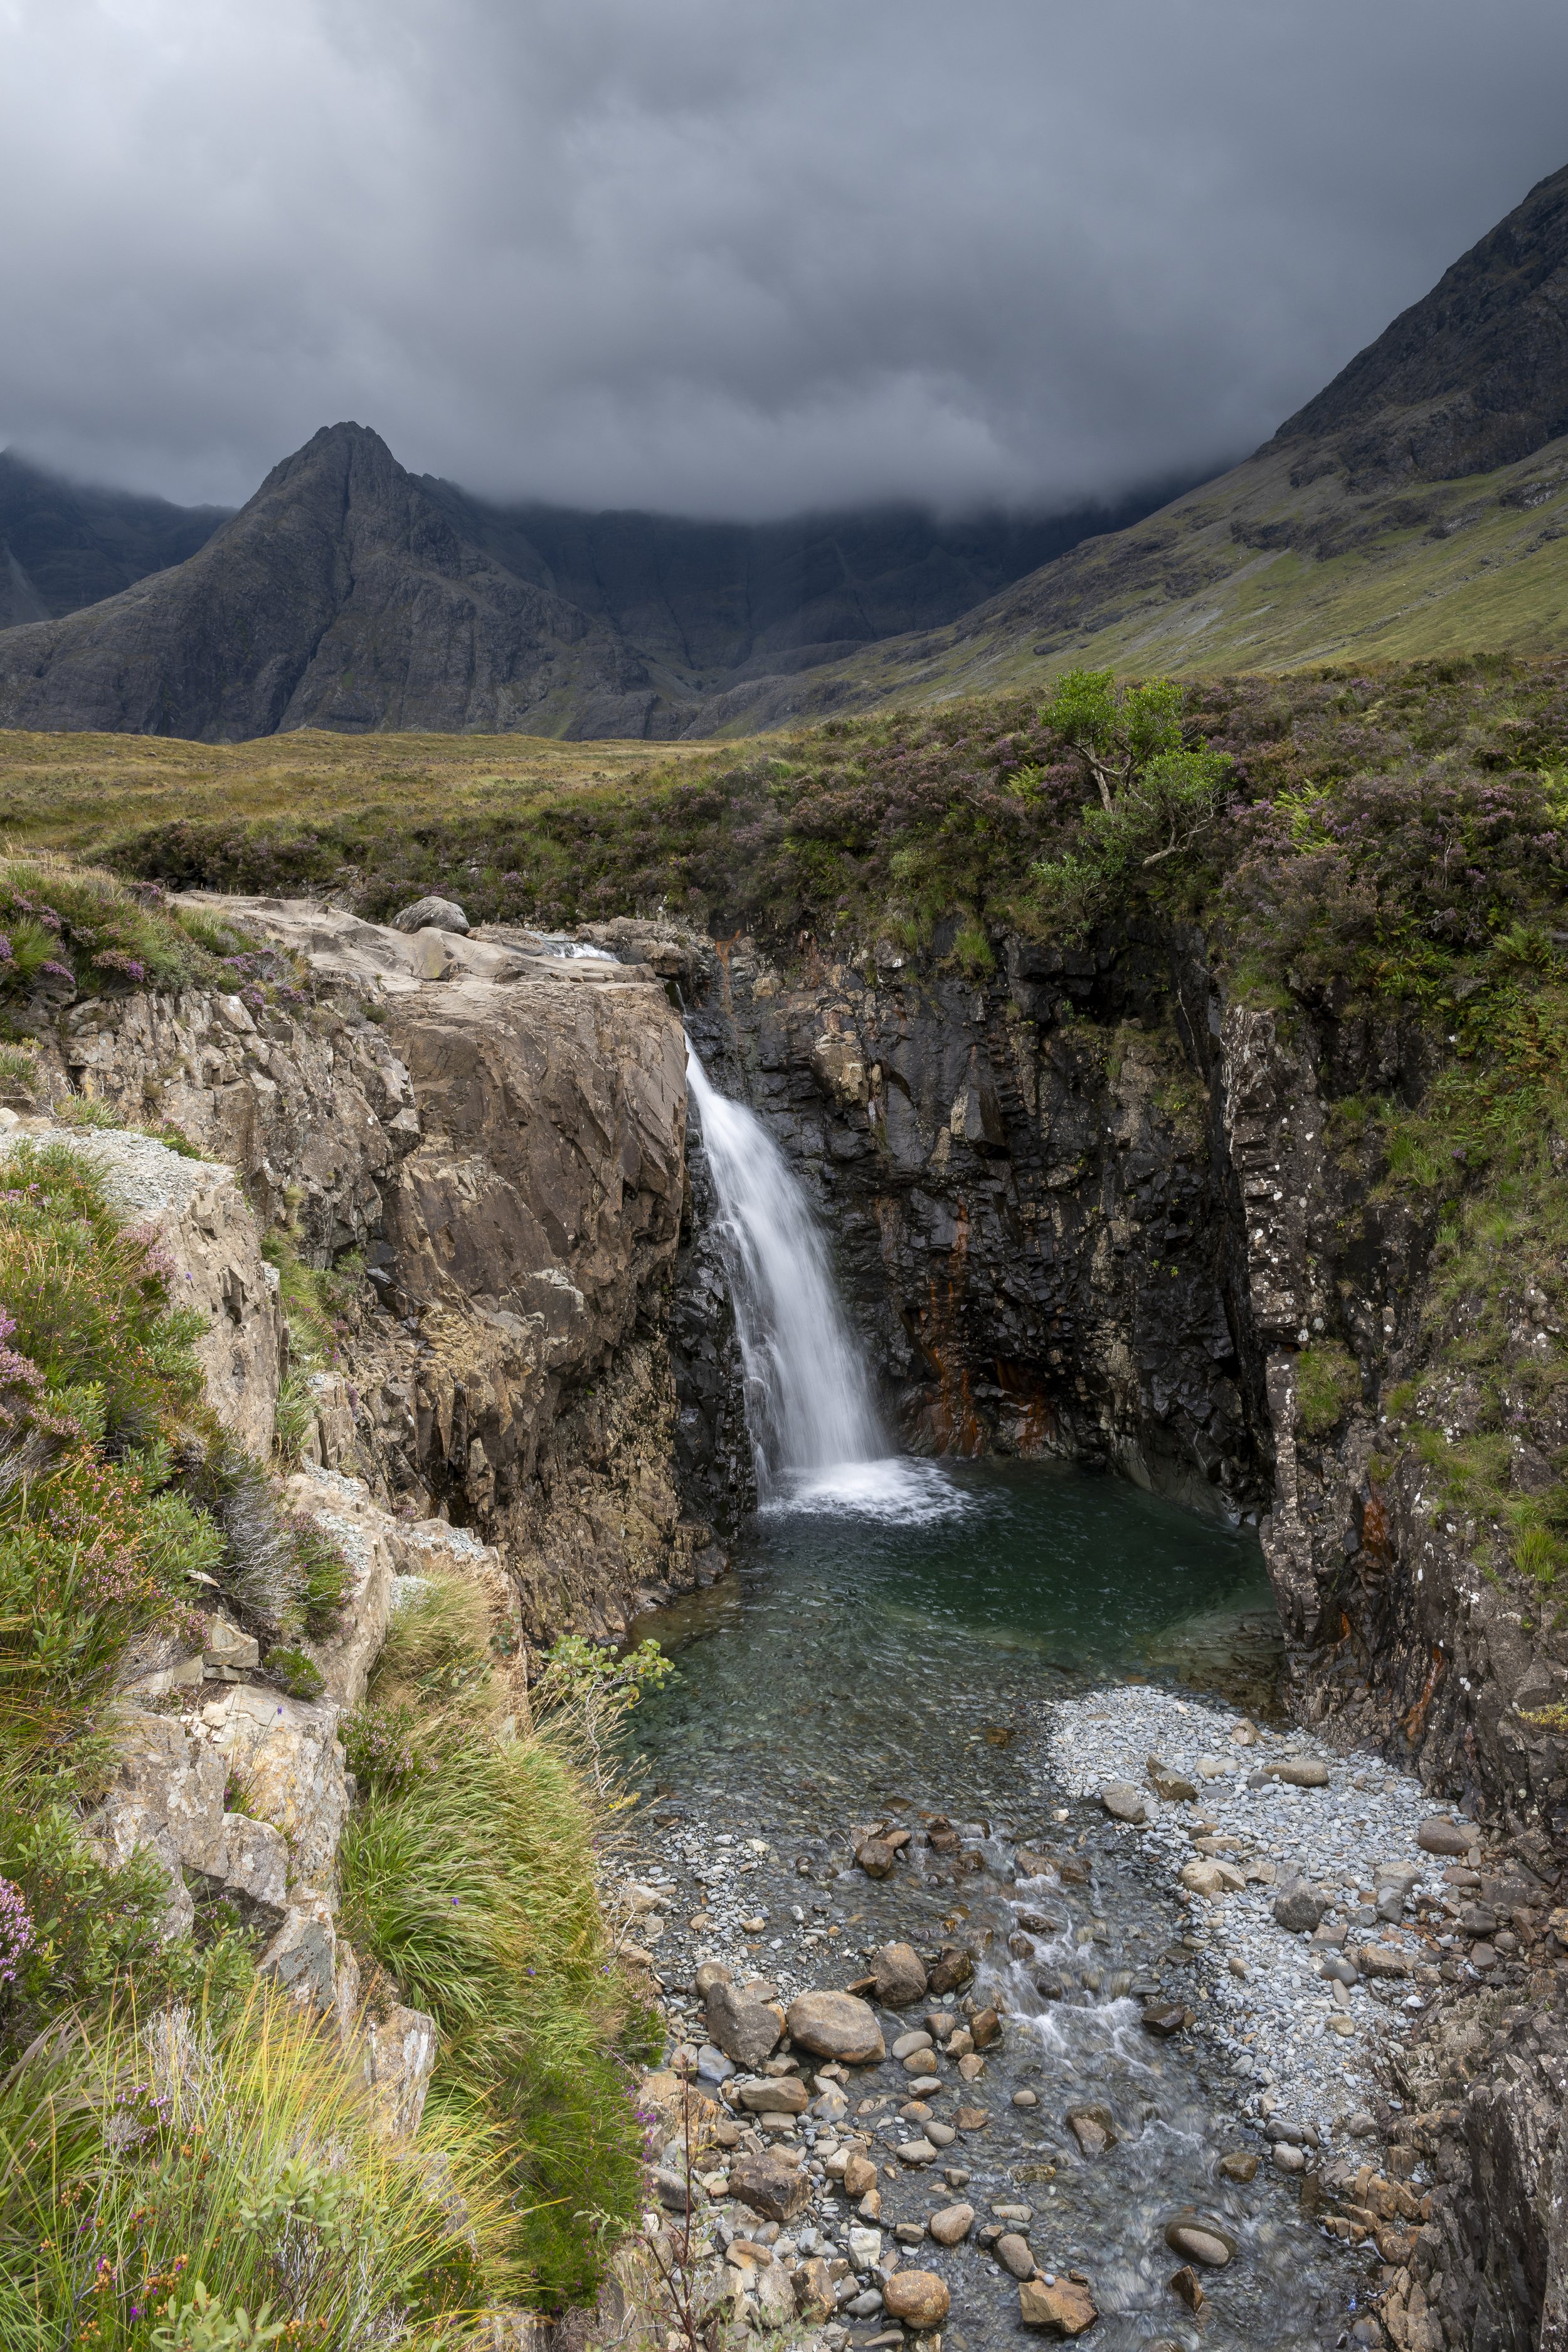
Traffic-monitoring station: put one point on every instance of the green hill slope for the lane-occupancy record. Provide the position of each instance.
(1416, 506)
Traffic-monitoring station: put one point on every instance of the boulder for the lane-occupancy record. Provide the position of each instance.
(1299, 1772)
(898, 1974)
(954, 1967)
(919, 2298)
(745, 2030)
(303, 1954)
(432, 914)
(836, 2025)
(258, 1863)
(1381, 1960)
(770, 2184)
(1061, 2304)
(1438, 1835)
(815, 2300)
(1298, 1908)
(1212, 1878)
(782, 2094)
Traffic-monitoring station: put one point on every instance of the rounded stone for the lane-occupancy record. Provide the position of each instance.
(917, 2297)
(1014, 2252)
(951, 2225)
(1124, 1802)
(836, 2025)
(1025, 2098)
(1198, 2241)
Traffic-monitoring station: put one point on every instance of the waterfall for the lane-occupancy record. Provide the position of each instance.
(808, 1403)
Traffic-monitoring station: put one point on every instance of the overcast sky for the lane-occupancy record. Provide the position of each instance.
(733, 256)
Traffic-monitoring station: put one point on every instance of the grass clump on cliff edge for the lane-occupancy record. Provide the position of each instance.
(190, 2181)
(468, 1873)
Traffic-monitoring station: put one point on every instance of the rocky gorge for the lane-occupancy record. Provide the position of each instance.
(1089, 1203)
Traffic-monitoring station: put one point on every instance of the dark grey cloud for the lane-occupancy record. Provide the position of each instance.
(733, 256)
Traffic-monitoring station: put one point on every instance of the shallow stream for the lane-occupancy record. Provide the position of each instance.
(888, 1650)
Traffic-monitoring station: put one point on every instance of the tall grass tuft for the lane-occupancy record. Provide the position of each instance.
(151, 2167)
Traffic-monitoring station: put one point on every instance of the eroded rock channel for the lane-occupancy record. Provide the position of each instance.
(1084, 1220)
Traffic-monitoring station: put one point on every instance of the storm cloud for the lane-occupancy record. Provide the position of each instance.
(733, 256)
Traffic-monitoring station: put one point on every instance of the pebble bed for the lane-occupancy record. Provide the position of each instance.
(1275, 2019)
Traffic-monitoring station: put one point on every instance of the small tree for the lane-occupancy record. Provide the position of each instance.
(1157, 799)
(1115, 732)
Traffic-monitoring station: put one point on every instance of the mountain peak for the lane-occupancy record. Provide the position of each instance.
(1473, 376)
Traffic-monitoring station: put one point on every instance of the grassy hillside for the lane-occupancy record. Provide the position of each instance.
(1273, 566)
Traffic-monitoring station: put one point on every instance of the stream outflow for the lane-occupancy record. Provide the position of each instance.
(893, 1649)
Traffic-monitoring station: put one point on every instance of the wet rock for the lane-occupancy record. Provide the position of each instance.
(1439, 1835)
(1240, 2164)
(785, 2095)
(1025, 2098)
(985, 2028)
(973, 2119)
(1201, 2241)
(951, 2225)
(1187, 2285)
(954, 1967)
(836, 2025)
(916, 2152)
(743, 2029)
(899, 1975)
(1013, 2252)
(917, 2038)
(1172, 1785)
(1298, 1908)
(941, 2135)
(770, 2184)
(1050, 1987)
(1123, 1803)
(1061, 2304)
(1165, 2018)
(876, 1857)
(919, 2298)
(972, 2067)
(1093, 2127)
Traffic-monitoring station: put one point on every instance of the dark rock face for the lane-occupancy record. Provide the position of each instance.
(1084, 1205)
(348, 595)
(1029, 1218)
(1475, 375)
(339, 597)
(63, 544)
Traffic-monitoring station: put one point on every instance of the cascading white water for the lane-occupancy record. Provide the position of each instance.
(815, 1432)
(808, 1403)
